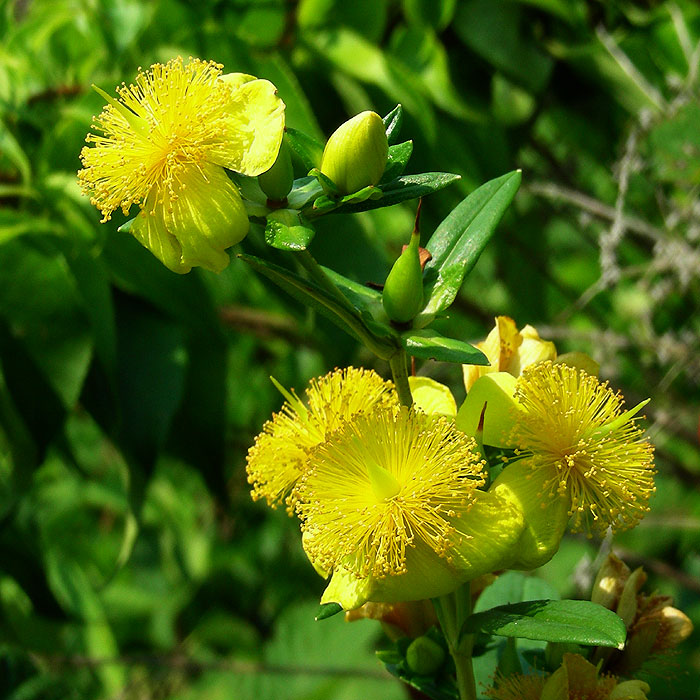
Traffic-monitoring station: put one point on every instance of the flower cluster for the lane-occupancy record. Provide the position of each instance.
(395, 502)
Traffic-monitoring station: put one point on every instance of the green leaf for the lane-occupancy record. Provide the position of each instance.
(420, 50)
(308, 293)
(497, 31)
(403, 188)
(306, 148)
(572, 621)
(150, 384)
(430, 345)
(328, 610)
(392, 123)
(10, 149)
(363, 297)
(397, 160)
(303, 191)
(72, 588)
(460, 239)
(368, 301)
(283, 237)
(43, 309)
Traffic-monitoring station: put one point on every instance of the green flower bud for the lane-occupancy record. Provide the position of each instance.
(355, 155)
(424, 656)
(277, 181)
(403, 290)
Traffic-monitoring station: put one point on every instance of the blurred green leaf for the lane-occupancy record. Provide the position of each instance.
(496, 31)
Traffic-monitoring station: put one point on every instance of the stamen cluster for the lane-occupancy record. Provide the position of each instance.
(574, 428)
(386, 482)
(172, 117)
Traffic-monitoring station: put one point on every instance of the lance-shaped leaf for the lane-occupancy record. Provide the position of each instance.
(366, 300)
(459, 240)
(403, 188)
(430, 345)
(569, 621)
(336, 309)
(392, 124)
(397, 160)
(306, 148)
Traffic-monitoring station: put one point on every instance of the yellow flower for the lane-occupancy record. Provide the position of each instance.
(578, 453)
(390, 504)
(164, 144)
(575, 679)
(388, 481)
(509, 350)
(576, 439)
(280, 453)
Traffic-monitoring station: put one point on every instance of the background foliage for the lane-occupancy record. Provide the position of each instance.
(132, 562)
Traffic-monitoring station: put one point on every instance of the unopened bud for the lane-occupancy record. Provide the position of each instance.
(628, 603)
(610, 582)
(403, 290)
(355, 155)
(424, 656)
(277, 181)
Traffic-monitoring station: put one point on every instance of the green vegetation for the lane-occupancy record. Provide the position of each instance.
(133, 562)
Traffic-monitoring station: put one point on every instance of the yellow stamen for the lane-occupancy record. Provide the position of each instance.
(280, 453)
(387, 481)
(172, 117)
(575, 428)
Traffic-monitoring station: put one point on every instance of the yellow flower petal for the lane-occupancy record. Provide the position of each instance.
(509, 350)
(235, 80)
(485, 539)
(630, 690)
(545, 514)
(253, 130)
(490, 408)
(150, 230)
(432, 398)
(206, 217)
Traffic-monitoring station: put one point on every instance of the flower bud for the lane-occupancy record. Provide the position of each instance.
(424, 656)
(403, 290)
(277, 181)
(355, 155)
(610, 582)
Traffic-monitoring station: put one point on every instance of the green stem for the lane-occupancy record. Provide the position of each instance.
(452, 610)
(316, 273)
(397, 362)
(381, 347)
